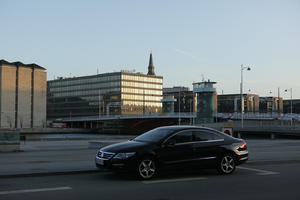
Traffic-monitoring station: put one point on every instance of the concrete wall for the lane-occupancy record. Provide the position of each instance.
(8, 90)
(39, 98)
(24, 99)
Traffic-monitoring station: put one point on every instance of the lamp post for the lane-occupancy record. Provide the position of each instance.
(179, 118)
(242, 95)
(291, 92)
(99, 100)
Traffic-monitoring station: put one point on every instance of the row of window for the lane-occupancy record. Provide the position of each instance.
(85, 92)
(141, 103)
(78, 81)
(141, 78)
(141, 85)
(141, 91)
(84, 86)
(141, 97)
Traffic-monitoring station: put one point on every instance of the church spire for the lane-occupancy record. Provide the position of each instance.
(151, 66)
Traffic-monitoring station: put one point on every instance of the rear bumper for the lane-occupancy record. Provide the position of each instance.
(242, 158)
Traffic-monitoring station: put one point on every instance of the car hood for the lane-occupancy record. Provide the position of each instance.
(128, 146)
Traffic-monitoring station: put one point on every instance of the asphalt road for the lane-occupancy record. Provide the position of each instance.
(278, 181)
(272, 174)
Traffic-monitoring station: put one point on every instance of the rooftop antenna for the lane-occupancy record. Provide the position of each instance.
(203, 79)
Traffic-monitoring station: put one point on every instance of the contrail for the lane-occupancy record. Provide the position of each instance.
(187, 54)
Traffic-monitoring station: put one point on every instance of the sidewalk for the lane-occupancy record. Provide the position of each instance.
(54, 157)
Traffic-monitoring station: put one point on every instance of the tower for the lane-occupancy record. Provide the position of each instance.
(206, 101)
(151, 66)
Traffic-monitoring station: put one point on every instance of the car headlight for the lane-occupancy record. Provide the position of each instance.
(124, 155)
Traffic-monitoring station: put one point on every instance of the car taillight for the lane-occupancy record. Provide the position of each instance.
(243, 145)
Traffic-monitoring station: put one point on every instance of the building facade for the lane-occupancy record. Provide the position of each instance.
(22, 95)
(231, 103)
(116, 93)
(291, 106)
(270, 105)
(178, 99)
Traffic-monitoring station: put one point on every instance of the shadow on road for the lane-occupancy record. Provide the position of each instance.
(163, 174)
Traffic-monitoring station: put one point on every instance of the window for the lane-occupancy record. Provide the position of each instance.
(205, 136)
(184, 136)
(154, 135)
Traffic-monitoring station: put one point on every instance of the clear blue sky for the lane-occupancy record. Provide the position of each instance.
(189, 39)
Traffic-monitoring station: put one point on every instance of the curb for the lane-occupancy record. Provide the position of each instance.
(52, 173)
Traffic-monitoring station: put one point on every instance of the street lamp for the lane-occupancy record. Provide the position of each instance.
(179, 117)
(291, 92)
(242, 96)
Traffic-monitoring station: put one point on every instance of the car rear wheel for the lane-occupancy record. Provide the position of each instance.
(226, 164)
(146, 168)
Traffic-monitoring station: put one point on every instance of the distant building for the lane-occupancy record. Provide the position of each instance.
(168, 103)
(22, 95)
(181, 98)
(105, 94)
(230, 103)
(206, 96)
(270, 105)
(295, 104)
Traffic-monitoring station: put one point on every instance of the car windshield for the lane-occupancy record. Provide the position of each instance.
(154, 135)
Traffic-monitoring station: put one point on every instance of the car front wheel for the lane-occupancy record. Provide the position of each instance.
(146, 168)
(226, 164)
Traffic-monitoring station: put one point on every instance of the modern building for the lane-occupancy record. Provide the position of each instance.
(116, 93)
(22, 95)
(270, 105)
(178, 99)
(231, 103)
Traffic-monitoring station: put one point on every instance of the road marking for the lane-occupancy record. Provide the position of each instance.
(34, 190)
(174, 180)
(260, 171)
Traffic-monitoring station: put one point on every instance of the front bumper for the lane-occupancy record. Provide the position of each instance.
(114, 163)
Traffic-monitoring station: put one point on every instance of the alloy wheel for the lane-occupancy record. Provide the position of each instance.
(147, 168)
(227, 164)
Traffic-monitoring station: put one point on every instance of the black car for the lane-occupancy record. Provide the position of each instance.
(174, 145)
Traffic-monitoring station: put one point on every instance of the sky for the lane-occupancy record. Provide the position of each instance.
(191, 40)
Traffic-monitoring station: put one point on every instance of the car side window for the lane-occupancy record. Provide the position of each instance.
(184, 136)
(204, 136)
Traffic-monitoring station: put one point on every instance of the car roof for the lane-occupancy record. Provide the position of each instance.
(183, 127)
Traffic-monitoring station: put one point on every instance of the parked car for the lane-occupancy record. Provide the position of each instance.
(174, 145)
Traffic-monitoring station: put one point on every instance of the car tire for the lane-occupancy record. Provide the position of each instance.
(226, 164)
(146, 168)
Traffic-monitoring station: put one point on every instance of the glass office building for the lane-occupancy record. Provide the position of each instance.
(104, 94)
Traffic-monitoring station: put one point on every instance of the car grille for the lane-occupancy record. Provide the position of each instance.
(105, 155)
